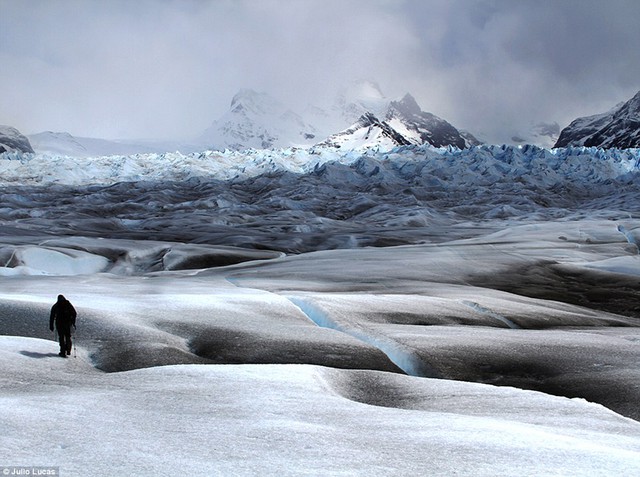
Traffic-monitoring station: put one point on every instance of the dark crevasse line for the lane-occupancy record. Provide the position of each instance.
(401, 355)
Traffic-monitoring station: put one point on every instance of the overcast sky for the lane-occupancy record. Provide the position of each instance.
(168, 68)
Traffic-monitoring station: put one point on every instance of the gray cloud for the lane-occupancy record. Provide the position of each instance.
(167, 68)
(506, 63)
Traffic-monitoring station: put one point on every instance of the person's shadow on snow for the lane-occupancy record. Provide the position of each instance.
(33, 354)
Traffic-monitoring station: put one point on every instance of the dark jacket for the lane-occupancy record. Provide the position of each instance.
(63, 313)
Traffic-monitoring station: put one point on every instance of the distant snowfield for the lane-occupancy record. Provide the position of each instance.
(501, 338)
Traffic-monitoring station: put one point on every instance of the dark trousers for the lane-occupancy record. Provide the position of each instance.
(64, 335)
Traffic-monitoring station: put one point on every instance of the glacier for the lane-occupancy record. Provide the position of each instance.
(410, 311)
(300, 200)
(532, 163)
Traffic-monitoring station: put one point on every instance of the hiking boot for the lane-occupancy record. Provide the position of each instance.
(62, 354)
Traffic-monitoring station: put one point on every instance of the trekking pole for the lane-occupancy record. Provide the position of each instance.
(75, 332)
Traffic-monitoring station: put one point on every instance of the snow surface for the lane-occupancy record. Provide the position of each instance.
(295, 420)
(234, 318)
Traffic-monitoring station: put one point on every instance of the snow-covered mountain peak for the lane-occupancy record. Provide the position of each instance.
(404, 123)
(360, 98)
(619, 127)
(367, 132)
(248, 101)
(420, 127)
(360, 117)
(631, 108)
(57, 143)
(257, 121)
(407, 106)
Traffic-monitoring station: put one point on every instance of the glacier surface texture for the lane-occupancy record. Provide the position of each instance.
(414, 311)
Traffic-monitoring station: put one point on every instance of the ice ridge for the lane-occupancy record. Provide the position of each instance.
(477, 165)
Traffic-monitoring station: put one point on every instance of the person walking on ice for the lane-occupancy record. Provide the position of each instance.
(64, 315)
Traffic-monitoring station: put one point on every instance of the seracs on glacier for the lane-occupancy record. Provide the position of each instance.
(300, 200)
(474, 166)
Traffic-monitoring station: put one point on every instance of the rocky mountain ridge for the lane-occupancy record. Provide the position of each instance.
(617, 128)
(13, 140)
(404, 123)
(363, 116)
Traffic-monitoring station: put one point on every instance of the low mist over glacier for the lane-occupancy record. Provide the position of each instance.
(408, 311)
